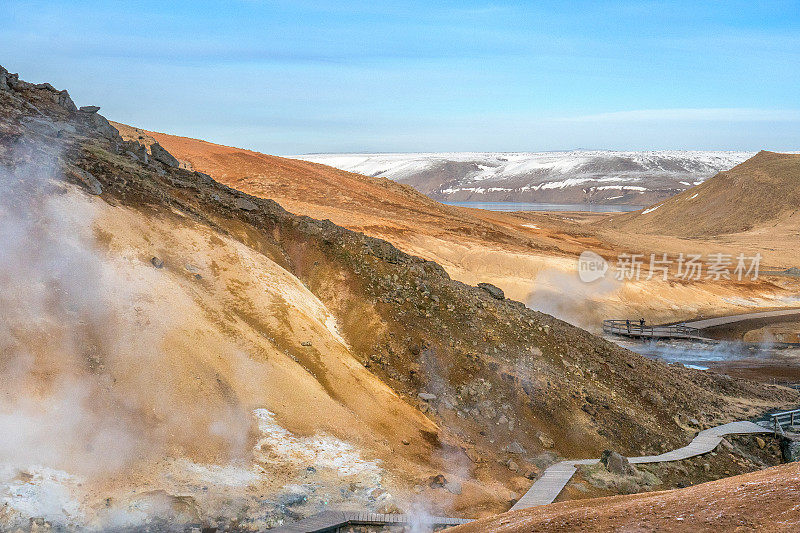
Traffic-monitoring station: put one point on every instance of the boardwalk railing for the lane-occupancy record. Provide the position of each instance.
(635, 329)
(786, 418)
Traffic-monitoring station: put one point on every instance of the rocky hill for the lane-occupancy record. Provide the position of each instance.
(178, 351)
(575, 177)
(762, 192)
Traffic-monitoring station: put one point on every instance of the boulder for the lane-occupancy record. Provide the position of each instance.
(617, 464)
(244, 204)
(102, 126)
(761, 443)
(427, 396)
(516, 448)
(89, 109)
(162, 156)
(437, 482)
(495, 292)
(3, 79)
(157, 262)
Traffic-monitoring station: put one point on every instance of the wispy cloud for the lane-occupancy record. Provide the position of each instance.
(692, 115)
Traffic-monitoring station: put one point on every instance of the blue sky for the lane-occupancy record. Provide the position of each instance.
(295, 77)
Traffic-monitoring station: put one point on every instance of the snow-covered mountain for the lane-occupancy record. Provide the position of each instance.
(609, 177)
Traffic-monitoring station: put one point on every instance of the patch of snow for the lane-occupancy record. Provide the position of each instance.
(692, 197)
(534, 171)
(650, 210)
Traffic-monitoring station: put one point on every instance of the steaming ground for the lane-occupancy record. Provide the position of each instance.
(133, 392)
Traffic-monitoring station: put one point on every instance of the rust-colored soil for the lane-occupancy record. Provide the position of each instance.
(531, 256)
(761, 501)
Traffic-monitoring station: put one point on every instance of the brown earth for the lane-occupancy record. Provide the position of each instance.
(531, 256)
(763, 192)
(759, 501)
(241, 305)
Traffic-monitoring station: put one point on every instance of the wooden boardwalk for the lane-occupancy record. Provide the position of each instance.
(552, 482)
(334, 520)
(693, 330)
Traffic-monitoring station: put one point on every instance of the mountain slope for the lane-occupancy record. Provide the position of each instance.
(531, 256)
(602, 177)
(762, 191)
(245, 365)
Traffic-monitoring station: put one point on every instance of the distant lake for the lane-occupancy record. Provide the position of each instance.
(528, 206)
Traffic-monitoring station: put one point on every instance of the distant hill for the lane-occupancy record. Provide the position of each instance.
(762, 191)
(579, 176)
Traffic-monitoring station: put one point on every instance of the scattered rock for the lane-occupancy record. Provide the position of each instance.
(305, 343)
(512, 465)
(546, 441)
(495, 292)
(427, 396)
(516, 448)
(760, 442)
(406, 442)
(157, 262)
(292, 498)
(617, 464)
(87, 179)
(245, 204)
(437, 482)
(473, 455)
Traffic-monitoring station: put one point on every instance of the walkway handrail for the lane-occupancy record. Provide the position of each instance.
(635, 329)
(785, 417)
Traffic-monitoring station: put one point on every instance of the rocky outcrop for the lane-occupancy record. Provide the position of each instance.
(162, 156)
(495, 292)
(3, 79)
